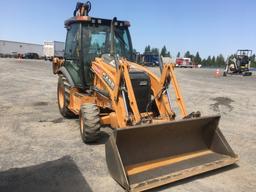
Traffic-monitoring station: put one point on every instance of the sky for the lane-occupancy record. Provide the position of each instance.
(208, 26)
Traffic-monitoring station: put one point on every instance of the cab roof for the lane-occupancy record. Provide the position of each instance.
(93, 20)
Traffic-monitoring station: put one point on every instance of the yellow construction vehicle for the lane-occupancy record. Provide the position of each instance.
(100, 83)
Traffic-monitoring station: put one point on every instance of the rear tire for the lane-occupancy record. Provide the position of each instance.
(89, 123)
(63, 95)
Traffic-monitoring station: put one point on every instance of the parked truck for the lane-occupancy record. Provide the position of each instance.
(53, 49)
(150, 59)
(184, 62)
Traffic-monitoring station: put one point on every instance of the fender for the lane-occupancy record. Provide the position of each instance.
(64, 71)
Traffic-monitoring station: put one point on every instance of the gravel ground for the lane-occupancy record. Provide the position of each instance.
(41, 151)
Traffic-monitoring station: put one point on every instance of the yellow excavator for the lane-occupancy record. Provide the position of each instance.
(151, 144)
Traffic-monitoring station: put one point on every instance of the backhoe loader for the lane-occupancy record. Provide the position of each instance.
(151, 144)
(239, 64)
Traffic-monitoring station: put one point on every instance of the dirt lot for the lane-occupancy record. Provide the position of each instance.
(49, 151)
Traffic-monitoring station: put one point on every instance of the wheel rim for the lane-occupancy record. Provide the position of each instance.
(81, 125)
(61, 97)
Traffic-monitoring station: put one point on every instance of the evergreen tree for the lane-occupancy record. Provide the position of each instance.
(147, 49)
(220, 60)
(253, 61)
(197, 59)
(164, 51)
(155, 51)
(209, 61)
(253, 57)
(204, 62)
(178, 55)
(187, 54)
(192, 57)
(213, 62)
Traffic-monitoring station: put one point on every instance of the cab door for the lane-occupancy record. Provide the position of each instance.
(72, 53)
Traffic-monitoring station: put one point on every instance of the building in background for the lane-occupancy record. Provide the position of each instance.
(53, 49)
(13, 48)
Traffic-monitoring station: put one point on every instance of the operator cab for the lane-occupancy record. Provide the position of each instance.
(88, 38)
(243, 58)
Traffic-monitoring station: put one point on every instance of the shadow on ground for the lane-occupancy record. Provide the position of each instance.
(61, 175)
(190, 179)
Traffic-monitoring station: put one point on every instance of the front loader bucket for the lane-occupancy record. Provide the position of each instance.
(147, 156)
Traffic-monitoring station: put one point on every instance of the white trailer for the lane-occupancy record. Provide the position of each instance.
(53, 49)
(12, 48)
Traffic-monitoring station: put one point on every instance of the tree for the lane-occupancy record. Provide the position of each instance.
(209, 61)
(187, 54)
(220, 60)
(147, 49)
(155, 51)
(164, 51)
(213, 62)
(204, 62)
(253, 61)
(178, 55)
(197, 59)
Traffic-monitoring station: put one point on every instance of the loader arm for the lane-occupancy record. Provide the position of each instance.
(107, 78)
(159, 85)
(120, 80)
(133, 102)
(164, 104)
(168, 76)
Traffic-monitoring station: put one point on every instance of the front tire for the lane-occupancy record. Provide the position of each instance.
(63, 94)
(89, 123)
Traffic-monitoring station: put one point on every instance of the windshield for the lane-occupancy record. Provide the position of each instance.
(97, 41)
